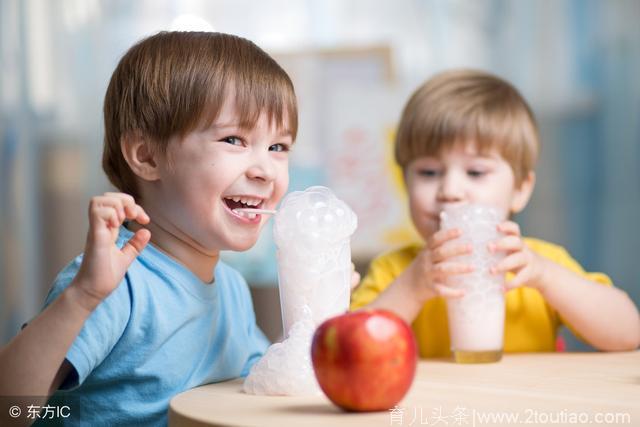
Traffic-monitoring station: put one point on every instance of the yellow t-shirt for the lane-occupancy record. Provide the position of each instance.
(531, 324)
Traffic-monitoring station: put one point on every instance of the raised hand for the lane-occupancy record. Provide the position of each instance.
(104, 264)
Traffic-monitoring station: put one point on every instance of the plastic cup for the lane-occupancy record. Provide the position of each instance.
(476, 321)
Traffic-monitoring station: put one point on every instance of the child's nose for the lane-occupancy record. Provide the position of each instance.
(262, 169)
(450, 189)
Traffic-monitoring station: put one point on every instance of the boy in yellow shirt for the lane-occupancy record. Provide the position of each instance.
(469, 137)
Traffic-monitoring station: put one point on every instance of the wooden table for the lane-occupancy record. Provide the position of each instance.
(535, 389)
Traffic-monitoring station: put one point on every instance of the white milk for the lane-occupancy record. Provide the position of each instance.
(311, 231)
(476, 321)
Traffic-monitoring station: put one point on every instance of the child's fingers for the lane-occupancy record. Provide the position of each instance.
(509, 227)
(140, 215)
(448, 251)
(506, 244)
(105, 214)
(100, 205)
(448, 292)
(131, 208)
(135, 245)
(355, 280)
(451, 268)
(518, 280)
(355, 277)
(110, 202)
(510, 263)
(124, 197)
(442, 236)
(125, 200)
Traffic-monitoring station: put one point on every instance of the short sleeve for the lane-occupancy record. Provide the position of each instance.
(378, 278)
(100, 332)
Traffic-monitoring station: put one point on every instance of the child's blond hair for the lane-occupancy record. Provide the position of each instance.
(463, 106)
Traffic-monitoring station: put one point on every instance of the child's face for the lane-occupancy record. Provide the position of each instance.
(206, 170)
(461, 175)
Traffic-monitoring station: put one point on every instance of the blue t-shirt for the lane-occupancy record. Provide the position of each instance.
(162, 331)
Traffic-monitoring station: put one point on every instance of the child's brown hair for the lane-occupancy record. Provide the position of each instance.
(463, 106)
(174, 82)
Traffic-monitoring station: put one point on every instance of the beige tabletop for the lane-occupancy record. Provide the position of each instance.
(534, 389)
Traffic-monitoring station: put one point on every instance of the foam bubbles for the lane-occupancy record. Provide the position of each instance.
(311, 231)
(311, 219)
(286, 367)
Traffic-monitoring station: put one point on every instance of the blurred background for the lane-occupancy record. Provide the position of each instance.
(354, 63)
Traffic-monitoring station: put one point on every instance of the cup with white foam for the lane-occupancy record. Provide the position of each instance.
(476, 320)
(312, 230)
(312, 233)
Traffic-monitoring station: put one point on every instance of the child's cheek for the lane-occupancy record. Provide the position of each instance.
(282, 186)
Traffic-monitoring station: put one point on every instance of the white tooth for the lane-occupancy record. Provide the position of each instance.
(254, 202)
(243, 200)
(236, 199)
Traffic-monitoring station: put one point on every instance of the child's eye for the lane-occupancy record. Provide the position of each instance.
(233, 140)
(476, 173)
(279, 148)
(429, 173)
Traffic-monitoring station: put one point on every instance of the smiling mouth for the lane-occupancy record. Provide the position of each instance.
(243, 202)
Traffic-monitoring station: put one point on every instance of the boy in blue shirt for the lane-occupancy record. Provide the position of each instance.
(196, 126)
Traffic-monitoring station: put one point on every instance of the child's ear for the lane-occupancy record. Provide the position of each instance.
(522, 194)
(140, 156)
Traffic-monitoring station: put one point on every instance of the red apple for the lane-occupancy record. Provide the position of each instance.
(364, 360)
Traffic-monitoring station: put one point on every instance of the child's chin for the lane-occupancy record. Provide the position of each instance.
(241, 246)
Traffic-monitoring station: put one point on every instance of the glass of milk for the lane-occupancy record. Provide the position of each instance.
(312, 233)
(476, 321)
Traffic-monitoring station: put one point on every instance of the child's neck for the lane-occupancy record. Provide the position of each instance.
(181, 249)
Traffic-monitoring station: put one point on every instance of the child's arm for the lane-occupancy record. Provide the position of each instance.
(606, 317)
(32, 363)
(425, 277)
